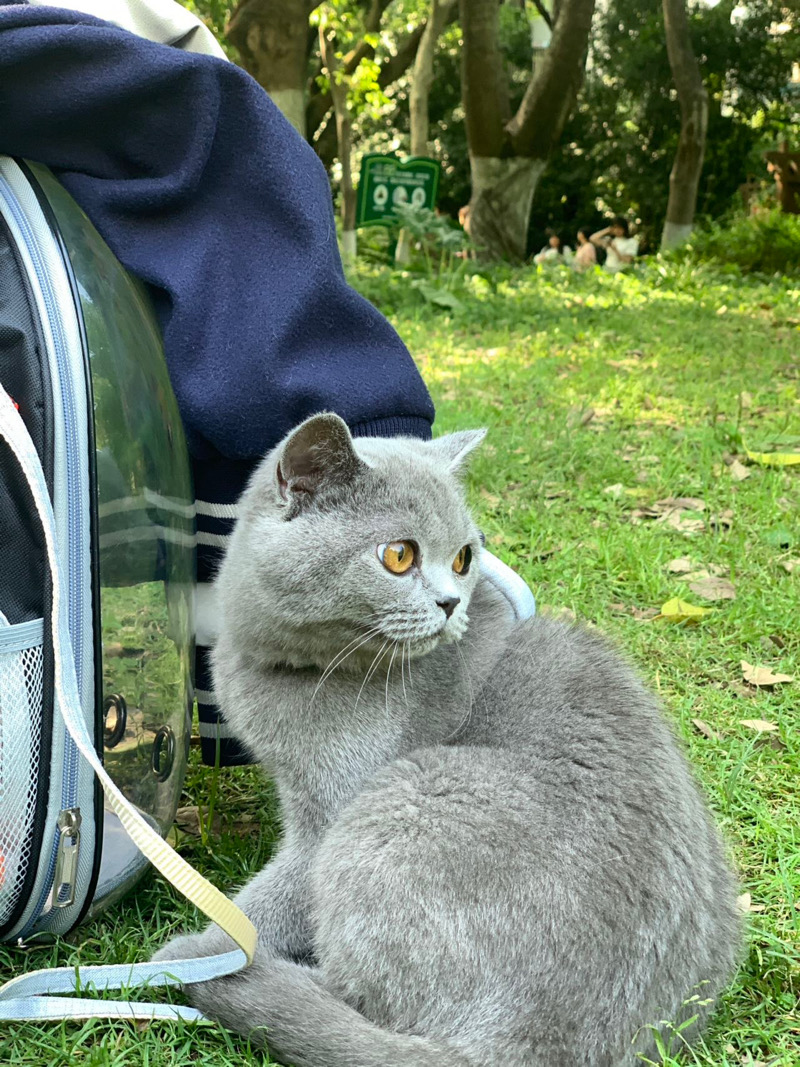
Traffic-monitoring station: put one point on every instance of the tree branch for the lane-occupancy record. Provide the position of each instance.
(392, 68)
(543, 12)
(320, 101)
(551, 91)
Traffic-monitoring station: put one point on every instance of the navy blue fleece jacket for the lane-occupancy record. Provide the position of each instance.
(204, 191)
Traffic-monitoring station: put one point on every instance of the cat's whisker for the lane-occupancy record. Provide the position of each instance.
(403, 672)
(470, 696)
(388, 673)
(372, 668)
(344, 654)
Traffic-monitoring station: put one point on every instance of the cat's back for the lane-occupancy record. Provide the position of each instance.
(584, 727)
(552, 682)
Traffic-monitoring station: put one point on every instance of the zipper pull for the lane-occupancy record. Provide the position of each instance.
(69, 846)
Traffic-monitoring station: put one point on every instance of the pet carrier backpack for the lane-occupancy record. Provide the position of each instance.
(96, 587)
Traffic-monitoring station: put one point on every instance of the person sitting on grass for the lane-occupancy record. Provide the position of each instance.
(585, 257)
(553, 253)
(620, 247)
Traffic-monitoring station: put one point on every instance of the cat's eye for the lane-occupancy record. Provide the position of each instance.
(397, 556)
(462, 561)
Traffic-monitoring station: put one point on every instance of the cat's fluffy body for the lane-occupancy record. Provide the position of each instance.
(494, 852)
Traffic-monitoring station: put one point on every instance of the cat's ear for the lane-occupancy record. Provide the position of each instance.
(318, 453)
(454, 448)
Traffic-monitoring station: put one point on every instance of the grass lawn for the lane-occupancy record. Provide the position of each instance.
(603, 396)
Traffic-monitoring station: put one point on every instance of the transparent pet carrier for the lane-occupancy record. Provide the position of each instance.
(81, 356)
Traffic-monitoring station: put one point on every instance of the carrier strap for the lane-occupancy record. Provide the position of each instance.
(13, 1002)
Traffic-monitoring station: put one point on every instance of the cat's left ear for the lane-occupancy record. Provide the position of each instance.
(454, 448)
(318, 453)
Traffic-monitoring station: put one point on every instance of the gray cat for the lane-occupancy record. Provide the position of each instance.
(494, 852)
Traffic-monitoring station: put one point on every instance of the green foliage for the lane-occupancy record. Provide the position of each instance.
(767, 242)
(619, 145)
(437, 246)
(215, 14)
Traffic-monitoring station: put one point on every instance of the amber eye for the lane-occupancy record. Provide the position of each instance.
(397, 556)
(462, 561)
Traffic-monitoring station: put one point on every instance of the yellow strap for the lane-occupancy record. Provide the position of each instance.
(175, 869)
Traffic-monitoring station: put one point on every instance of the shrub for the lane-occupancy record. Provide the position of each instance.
(767, 242)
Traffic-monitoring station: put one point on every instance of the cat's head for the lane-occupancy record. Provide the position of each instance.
(340, 540)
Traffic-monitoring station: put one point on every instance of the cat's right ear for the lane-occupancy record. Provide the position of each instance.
(454, 448)
(318, 453)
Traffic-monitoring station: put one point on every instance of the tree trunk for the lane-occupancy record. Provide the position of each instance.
(693, 98)
(422, 76)
(344, 139)
(272, 39)
(508, 154)
(500, 205)
(421, 81)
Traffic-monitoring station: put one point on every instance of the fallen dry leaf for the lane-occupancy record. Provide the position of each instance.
(738, 471)
(695, 576)
(714, 589)
(681, 565)
(761, 726)
(706, 730)
(790, 565)
(692, 503)
(677, 610)
(637, 514)
(722, 521)
(615, 490)
(763, 677)
(188, 820)
(490, 498)
(745, 905)
(678, 521)
(746, 692)
(644, 614)
(580, 417)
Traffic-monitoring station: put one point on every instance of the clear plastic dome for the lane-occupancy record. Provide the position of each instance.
(146, 541)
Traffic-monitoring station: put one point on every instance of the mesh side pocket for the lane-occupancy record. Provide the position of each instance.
(20, 741)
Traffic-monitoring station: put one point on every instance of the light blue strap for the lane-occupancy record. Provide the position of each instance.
(58, 1008)
(509, 583)
(27, 997)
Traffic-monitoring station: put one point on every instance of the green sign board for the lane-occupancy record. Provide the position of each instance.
(385, 182)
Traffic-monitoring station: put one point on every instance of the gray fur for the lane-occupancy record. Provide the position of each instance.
(494, 852)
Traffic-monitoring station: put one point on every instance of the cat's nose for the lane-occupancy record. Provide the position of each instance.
(449, 604)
